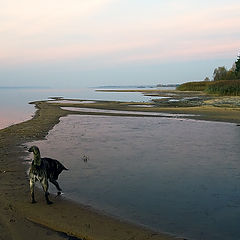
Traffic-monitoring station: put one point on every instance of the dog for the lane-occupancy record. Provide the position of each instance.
(42, 170)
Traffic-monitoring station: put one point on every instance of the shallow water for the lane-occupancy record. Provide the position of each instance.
(181, 177)
(72, 102)
(78, 109)
(14, 107)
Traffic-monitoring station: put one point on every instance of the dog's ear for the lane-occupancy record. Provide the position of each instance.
(37, 156)
(30, 149)
(36, 150)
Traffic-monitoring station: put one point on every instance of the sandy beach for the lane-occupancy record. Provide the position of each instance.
(19, 219)
(139, 100)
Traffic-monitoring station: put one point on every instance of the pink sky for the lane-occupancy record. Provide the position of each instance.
(113, 32)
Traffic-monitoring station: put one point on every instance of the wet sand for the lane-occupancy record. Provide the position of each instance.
(19, 219)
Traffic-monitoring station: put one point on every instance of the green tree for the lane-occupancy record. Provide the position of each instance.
(220, 73)
(230, 75)
(237, 67)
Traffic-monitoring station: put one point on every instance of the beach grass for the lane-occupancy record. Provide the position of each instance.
(226, 88)
(221, 87)
(194, 86)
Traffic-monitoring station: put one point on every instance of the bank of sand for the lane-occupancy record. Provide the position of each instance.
(21, 220)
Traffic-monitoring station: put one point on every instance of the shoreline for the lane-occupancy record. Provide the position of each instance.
(19, 218)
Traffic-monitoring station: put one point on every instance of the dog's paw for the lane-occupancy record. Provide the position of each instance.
(59, 194)
(49, 202)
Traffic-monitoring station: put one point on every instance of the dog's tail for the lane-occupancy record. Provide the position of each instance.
(60, 167)
(54, 167)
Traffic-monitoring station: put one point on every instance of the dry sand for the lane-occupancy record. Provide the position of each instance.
(19, 219)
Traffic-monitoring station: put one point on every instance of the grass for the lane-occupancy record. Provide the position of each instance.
(223, 87)
(193, 86)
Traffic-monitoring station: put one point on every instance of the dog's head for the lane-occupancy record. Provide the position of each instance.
(37, 156)
(34, 149)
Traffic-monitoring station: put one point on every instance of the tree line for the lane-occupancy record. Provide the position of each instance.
(221, 73)
(225, 82)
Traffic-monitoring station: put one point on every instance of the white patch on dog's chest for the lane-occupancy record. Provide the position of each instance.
(36, 175)
(38, 178)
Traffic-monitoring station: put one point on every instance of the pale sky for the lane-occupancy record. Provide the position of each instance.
(115, 42)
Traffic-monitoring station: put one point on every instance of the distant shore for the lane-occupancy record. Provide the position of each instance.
(203, 106)
(21, 220)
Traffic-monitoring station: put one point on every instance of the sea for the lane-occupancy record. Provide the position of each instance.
(15, 107)
(171, 175)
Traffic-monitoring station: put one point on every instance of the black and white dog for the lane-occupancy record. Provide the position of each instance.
(42, 170)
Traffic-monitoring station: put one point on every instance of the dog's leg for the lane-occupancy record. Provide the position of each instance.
(56, 185)
(44, 183)
(32, 182)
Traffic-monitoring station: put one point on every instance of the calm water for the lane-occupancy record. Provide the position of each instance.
(177, 176)
(14, 107)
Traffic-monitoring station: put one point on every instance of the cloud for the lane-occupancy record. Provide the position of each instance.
(33, 16)
(35, 31)
(187, 51)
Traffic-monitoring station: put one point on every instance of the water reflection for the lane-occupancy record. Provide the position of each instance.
(14, 107)
(181, 177)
